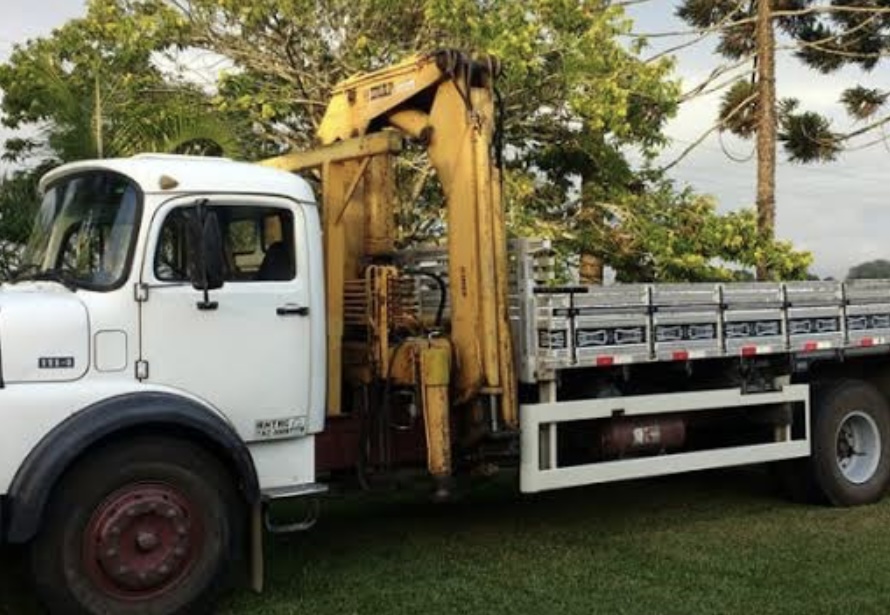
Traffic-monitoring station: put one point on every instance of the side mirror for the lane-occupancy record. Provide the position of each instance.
(206, 263)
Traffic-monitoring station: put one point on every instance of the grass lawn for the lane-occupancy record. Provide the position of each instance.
(719, 542)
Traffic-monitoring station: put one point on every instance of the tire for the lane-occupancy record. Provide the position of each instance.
(850, 461)
(146, 526)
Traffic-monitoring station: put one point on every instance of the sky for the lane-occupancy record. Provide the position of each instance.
(839, 211)
(24, 19)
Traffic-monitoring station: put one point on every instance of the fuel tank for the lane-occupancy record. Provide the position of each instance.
(632, 437)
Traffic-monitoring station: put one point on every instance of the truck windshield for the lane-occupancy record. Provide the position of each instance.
(84, 232)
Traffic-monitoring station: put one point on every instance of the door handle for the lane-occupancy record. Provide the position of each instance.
(292, 310)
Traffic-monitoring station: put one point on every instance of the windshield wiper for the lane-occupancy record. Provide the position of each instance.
(33, 273)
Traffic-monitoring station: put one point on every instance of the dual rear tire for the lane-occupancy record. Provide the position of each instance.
(850, 436)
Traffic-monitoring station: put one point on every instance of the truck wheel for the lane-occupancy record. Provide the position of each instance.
(850, 462)
(144, 526)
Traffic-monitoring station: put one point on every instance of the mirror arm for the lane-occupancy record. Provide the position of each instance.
(207, 305)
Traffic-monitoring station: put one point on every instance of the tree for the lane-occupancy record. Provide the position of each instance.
(93, 89)
(574, 98)
(677, 236)
(567, 80)
(870, 270)
(18, 205)
(666, 234)
(825, 36)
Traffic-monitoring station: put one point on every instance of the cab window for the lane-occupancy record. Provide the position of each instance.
(258, 244)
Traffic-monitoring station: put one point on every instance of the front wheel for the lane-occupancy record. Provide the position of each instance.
(147, 526)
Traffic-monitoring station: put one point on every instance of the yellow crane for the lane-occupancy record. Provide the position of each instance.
(444, 100)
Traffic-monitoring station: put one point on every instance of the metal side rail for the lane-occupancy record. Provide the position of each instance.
(572, 327)
(293, 491)
(540, 469)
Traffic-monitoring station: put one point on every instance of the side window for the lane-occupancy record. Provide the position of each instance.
(258, 244)
(172, 257)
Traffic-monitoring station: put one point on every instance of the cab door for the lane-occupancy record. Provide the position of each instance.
(246, 352)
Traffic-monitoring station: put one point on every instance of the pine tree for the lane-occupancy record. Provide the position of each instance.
(825, 35)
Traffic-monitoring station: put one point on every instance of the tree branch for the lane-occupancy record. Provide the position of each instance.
(702, 34)
(702, 88)
(868, 128)
(717, 126)
(751, 20)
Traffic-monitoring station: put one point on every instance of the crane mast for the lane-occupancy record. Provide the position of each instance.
(463, 369)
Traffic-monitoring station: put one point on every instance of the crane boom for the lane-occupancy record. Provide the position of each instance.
(444, 100)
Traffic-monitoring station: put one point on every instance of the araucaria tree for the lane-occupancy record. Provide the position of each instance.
(825, 35)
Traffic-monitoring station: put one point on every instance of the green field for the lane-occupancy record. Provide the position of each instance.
(720, 542)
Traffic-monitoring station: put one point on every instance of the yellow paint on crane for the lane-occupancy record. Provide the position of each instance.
(445, 101)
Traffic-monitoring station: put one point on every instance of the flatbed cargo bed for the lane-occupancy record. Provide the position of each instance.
(602, 326)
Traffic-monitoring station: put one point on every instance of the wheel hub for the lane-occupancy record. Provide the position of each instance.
(858, 447)
(141, 541)
(147, 541)
(845, 445)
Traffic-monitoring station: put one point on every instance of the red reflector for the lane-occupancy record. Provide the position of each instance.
(749, 351)
(866, 341)
(681, 355)
(605, 361)
(811, 346)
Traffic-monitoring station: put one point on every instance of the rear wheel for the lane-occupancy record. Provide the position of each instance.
(147, 526)
(850, 461)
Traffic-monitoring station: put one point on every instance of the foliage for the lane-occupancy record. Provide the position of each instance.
(862, 103)
(871, 270)
(572, 96)
(562, 58)
(669, 235)
(808, 137)
(287, 56)
(679, 236)
(18, 205)
(738, 109)
(574, 101)
(93, 89)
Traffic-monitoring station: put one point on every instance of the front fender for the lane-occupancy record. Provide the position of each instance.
(161, 413)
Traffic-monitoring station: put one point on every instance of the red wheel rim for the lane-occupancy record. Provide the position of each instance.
(142, 541)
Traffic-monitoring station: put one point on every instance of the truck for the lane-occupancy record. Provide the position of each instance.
(192, 340)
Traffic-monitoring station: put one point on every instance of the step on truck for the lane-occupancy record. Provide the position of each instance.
(191, 340)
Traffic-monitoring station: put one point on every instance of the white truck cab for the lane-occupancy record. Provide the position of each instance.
(104, 332)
